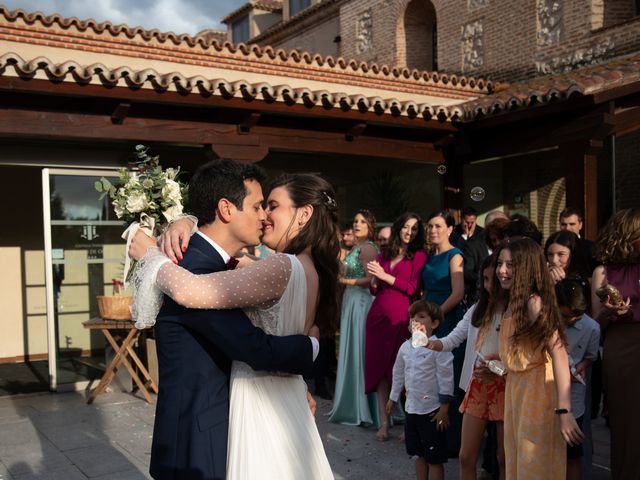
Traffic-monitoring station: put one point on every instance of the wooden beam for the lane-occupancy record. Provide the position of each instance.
(120, 113)
(627, 121)
(617, 92)
(39, 124)
(249, 122)
(541, 134)
(127, 95)
(243, 153)
(355, 131)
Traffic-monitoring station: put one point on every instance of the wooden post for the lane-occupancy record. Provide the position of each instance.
(581, 180)
(453, 189)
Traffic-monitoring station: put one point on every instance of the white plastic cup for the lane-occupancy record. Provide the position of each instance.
(419, 339)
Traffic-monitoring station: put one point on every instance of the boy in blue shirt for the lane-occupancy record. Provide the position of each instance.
(583, 338)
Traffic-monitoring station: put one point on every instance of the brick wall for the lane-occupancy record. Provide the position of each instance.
(502, 39)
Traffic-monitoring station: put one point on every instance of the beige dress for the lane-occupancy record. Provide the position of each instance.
(533, 445)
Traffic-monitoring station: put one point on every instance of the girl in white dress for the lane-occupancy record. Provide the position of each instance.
(272, 433)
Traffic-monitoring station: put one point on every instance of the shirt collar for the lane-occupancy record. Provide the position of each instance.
(577, 325)
(225, 256)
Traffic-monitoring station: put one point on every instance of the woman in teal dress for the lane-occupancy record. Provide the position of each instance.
(443, 281)
(350, 404)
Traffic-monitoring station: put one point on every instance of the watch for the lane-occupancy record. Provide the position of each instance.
(561, 411)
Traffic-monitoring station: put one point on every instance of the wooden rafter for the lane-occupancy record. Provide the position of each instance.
(48, 124)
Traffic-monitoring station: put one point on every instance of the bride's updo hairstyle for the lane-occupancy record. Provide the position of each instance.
(321, 234)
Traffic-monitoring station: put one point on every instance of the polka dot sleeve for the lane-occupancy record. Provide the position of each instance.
(256, 284)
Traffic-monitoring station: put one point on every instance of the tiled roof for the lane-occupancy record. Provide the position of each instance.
(97, 27)
(210, 35)
(266, 5)
(591, 80)
(262, 91)
(452, 83)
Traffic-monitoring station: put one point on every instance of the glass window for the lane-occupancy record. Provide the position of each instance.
(296, 6)
(240, 30)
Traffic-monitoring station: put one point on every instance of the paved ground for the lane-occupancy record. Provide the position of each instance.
(60, 437)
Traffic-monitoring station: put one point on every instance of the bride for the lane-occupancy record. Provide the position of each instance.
(272, 432)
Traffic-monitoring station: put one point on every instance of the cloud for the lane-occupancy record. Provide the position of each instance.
(179, 16)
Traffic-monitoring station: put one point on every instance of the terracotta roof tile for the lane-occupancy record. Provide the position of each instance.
(267, 5)
(211, 35)
(542, 91)
(458, 83)
(97, 27)
(262, 91)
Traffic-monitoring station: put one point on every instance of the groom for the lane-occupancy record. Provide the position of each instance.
(195, 347)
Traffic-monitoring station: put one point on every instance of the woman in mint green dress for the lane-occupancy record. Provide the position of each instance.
(351, 406)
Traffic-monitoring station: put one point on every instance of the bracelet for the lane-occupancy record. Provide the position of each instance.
(561, 411)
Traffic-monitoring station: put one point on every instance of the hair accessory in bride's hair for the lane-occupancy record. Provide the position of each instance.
(329, 201)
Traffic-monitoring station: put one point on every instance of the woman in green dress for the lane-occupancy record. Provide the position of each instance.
(351, 406)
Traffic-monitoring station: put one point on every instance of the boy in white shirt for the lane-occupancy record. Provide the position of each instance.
(427, 376)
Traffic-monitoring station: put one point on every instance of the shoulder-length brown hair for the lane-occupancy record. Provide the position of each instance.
(395, 243)
(370, 220)
(530, 276)
(619, 240)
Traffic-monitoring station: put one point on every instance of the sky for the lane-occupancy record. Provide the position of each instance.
(178, 16)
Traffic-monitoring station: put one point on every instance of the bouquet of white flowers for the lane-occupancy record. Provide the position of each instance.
(147, 196)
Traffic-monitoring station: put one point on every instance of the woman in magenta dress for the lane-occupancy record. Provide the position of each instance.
(396, 276)
(618, 247)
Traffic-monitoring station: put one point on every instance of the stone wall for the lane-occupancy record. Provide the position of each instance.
(317, 37)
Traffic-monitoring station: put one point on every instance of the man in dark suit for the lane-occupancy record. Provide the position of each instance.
(467, 229)
(195, 347)
(571, 219)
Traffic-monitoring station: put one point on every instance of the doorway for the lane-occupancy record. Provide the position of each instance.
(83, 255)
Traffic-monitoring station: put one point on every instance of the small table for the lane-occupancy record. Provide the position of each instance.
(121, 353)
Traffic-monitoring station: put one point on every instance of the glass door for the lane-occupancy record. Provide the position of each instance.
(84, 254)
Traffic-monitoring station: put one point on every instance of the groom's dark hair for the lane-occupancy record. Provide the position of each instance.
(219, 179)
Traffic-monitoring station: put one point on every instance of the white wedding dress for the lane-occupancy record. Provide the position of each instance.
(272, 433)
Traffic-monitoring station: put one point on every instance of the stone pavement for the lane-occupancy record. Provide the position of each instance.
(60, 437)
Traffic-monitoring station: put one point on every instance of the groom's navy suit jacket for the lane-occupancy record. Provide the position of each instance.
(195, 348)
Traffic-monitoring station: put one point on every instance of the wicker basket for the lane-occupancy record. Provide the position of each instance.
(115, 307)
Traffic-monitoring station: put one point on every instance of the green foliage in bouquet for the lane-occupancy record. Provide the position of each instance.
(146, 189)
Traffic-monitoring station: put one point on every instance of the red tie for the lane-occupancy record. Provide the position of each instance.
(232, 263)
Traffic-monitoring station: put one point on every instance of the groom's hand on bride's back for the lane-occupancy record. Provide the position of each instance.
(312, 403)
(175, 239)
(314, 331)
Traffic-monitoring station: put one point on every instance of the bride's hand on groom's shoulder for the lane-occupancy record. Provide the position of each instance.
(140, 244)
(175, 239)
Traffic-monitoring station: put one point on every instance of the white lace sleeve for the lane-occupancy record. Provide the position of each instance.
(256, 284)
(147, 297)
